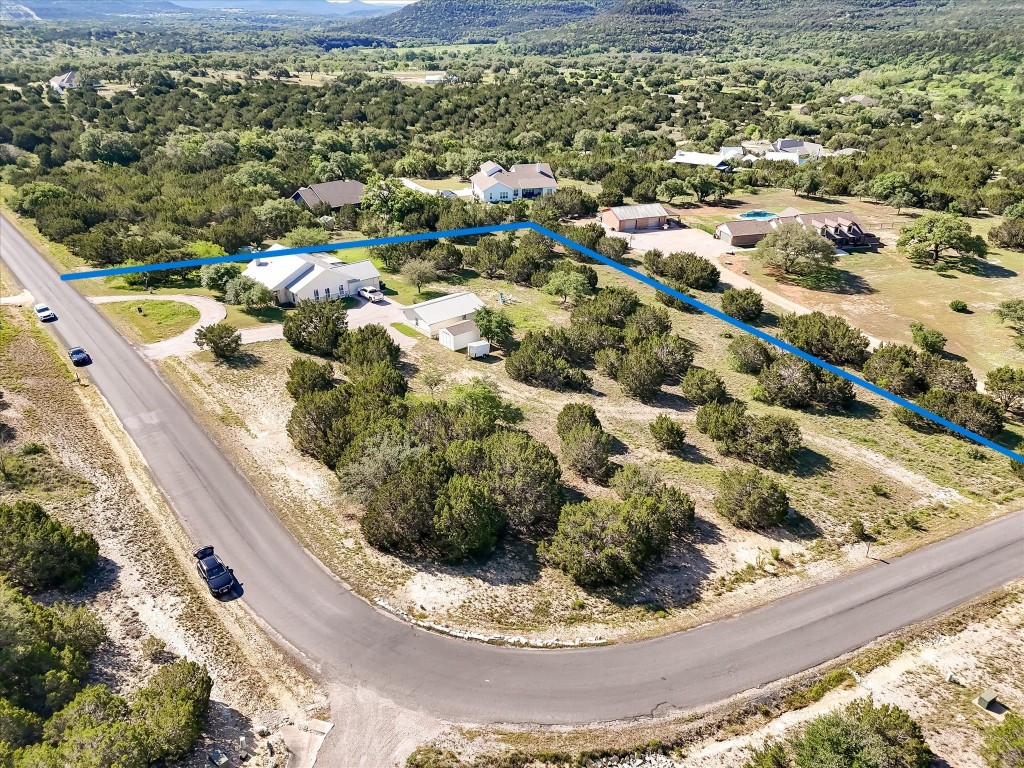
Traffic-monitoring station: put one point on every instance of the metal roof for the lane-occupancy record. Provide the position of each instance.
(649, 211)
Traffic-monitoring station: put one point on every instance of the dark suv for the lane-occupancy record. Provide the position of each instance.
(218, 577)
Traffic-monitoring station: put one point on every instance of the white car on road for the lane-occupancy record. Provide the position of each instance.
(371, 294)
(44, 313)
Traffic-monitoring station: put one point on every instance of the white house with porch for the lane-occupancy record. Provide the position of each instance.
(494, 184)
(446, 312)
(311, 276)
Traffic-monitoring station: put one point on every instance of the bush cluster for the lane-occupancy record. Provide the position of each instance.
(606, 542)
(38, 552)
(767, 441)
(792, 382)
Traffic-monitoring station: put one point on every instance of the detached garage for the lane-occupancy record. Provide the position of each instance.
(459, 336)
(632, 218)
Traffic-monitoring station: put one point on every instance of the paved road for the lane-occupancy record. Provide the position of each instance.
(469, 682)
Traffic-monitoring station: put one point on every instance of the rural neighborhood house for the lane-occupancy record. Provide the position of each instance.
(843, 228)
(493, 184)
(311, 276)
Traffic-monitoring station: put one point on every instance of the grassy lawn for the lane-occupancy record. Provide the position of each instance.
(253, 318)
(452, 183)
(158, 320)
(405, 330)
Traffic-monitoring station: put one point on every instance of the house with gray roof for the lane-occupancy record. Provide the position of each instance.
(335, 194)
(494, 184)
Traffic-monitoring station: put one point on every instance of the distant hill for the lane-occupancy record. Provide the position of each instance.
(683, 25)
(637, 25)
(449, 21)
(54, 10)
(351, 9)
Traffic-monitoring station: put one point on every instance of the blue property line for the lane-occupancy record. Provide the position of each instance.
(565, 241)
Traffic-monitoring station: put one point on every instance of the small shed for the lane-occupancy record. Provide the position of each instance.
(459, 336)
(480, 348)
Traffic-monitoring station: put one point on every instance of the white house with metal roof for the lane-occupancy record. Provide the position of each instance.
(431, 317)
(312, 276)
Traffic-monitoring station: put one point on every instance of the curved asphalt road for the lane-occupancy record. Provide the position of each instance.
(471, 682)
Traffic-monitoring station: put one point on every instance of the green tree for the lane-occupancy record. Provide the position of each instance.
(700, 385)
(222, 339)
(1006, 385)
(214, 277)
(897, 368)
(496, 326)
(314, 424)
(367, 345)
(482, 398)
(38, 552)
(247, 293)
(862, 735)
(795, 250)
(772, 755)
(278, 215)
(35, 195)
(604, 542)
(894, 188)
(466, 521)
(305, 376)
(575, 415)
(586, 449)
(749, 354)
(829, 337)
(571, 286)
(669, 435)
(928, 339)
(748, 498)
(303, 237)
(316, 326)
(419, 272)
(941, 241)
(400, 515)
(744, 304)
(522, 478)
(170, 709)
(1004, 743)
(641, 373)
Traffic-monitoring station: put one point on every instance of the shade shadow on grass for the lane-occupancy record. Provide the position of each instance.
(675, 581)
(810, 463)
(243, 361)
(833, 280)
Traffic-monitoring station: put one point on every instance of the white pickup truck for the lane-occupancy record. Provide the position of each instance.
(371, 294)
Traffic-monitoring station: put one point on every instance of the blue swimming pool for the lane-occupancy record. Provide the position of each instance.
(758, 215)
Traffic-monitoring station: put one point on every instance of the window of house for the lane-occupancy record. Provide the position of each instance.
(327, 293)
(316, 294)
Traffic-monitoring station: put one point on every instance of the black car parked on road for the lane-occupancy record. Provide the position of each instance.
(218, 577)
